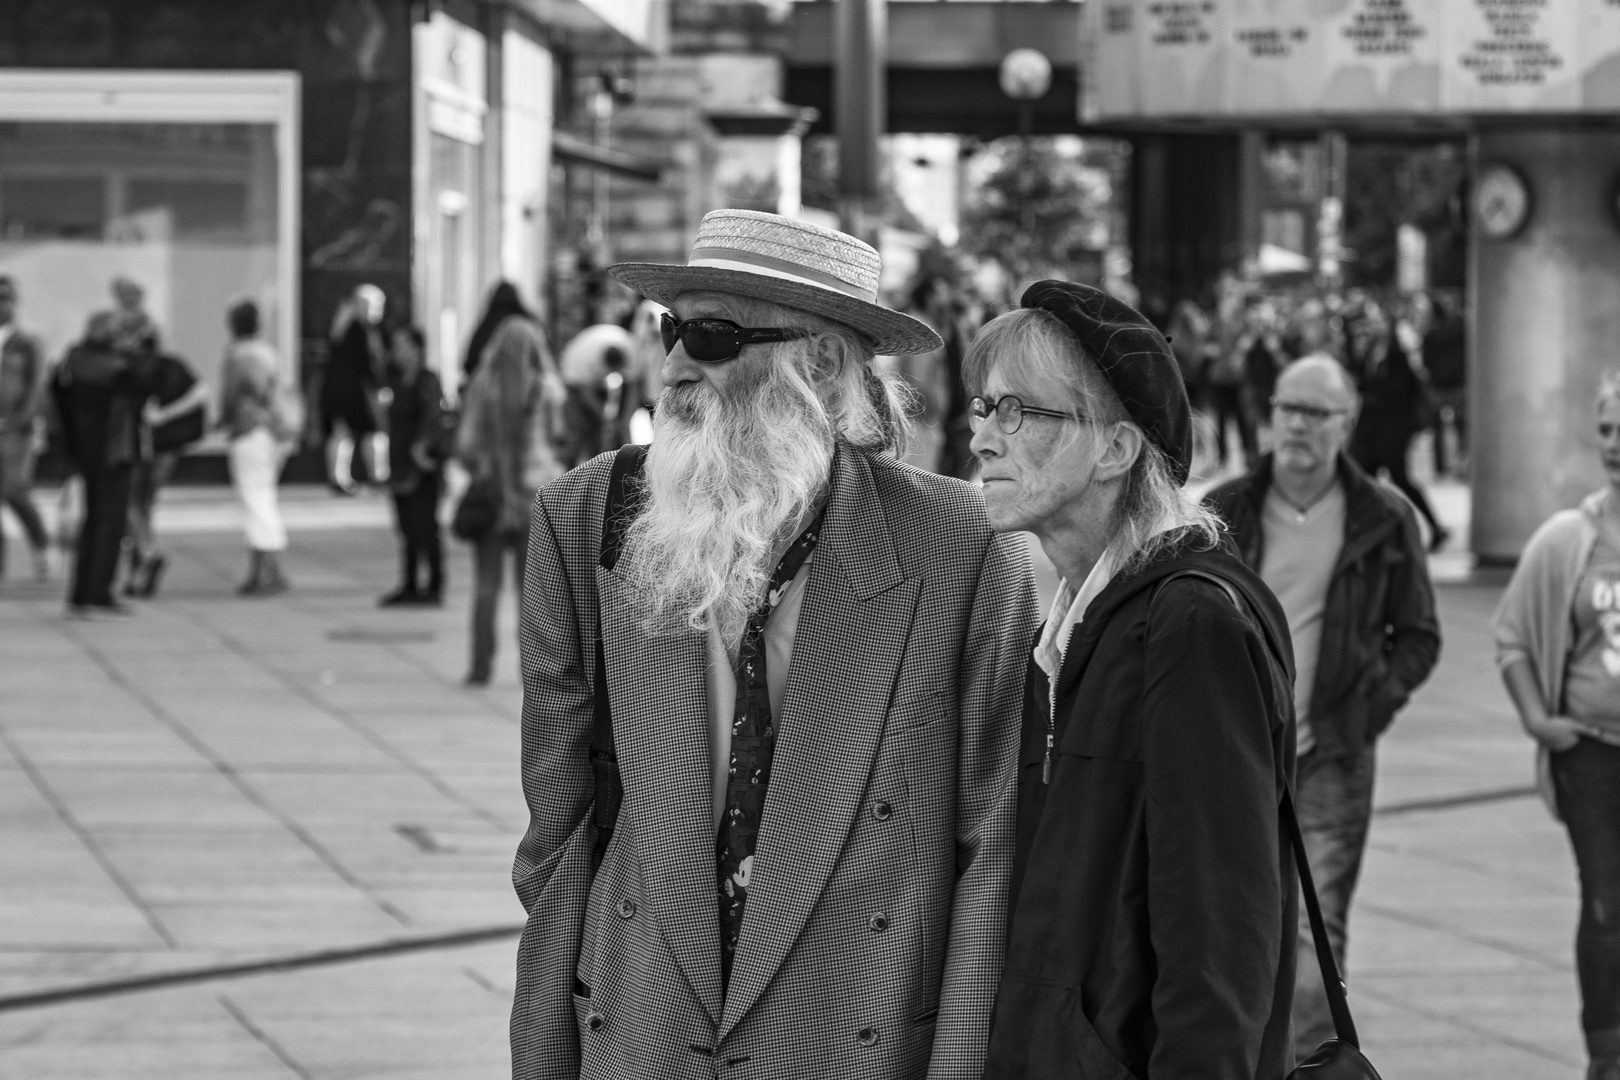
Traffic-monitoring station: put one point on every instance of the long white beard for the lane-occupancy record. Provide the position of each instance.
(725, 479)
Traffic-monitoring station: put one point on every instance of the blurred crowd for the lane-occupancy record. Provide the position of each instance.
(120, 410)
(1405, 351)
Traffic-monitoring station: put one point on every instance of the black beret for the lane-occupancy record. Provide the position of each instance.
(1133, 356)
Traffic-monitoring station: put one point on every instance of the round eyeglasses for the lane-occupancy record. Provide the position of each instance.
(1009, 412)
(712, 341)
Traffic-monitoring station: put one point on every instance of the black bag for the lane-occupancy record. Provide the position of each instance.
(478, 512)
(180, 432)
(1339, 1058)
(175, 379)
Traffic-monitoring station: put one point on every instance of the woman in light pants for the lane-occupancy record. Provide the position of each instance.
(248, 413)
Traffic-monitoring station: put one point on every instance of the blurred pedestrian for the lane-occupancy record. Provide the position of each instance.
(260, 433)
(415, 470)
(1224, 384)
(511, 425)
(1557, 632)
(99, 392)
(503, 303)
(1445, 358)
(134, 331)
(648, 357)
(354, 374)
(1263, 358)
(603, 391)
(769, 579)
(1188, 333)
(1343, 555)
(1391, 409)
(22, 427)
(1152, 895)
(173, 418)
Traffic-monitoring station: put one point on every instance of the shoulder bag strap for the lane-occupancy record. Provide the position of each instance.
(1338, 1003)
(616, 515)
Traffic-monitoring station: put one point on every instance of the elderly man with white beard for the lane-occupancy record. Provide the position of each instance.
(772, 680)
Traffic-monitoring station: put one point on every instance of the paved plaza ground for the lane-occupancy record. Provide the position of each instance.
(222, 781)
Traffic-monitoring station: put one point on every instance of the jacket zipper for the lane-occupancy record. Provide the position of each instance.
(1051, 728)
(1051, 706)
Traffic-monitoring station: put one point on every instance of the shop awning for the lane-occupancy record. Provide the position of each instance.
(573, 150)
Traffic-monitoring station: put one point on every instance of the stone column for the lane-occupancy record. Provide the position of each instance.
(1544, 325)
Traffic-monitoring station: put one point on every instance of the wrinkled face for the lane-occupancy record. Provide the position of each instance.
(1311, 419)
(685, 378)
(1608, 431)
(1035, 477)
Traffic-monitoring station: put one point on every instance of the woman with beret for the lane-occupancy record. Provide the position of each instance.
(1154, 900)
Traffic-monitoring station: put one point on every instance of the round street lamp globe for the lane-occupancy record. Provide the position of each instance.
(1026, 74)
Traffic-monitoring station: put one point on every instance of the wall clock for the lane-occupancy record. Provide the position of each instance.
(1501, 201)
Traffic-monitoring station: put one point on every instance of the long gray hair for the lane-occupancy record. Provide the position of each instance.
(1153, 511)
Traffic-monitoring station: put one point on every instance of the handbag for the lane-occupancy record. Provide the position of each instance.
(477, 512)
(181, 431)
(1339, 1058)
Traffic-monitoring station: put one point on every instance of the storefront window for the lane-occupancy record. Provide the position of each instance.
(189, 211)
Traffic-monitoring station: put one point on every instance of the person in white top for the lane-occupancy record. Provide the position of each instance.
(22, 399)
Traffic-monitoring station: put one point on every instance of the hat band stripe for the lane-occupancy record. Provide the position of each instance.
(733, 259)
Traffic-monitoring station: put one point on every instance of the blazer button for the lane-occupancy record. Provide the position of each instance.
(867, 1036)
(595, 1020)
(627, 909)
(878, 923)
(882, 810)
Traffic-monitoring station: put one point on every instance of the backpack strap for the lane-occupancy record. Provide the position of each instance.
(1338, 1002)
(617, 513)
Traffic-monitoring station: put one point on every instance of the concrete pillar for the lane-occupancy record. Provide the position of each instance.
(1544, 326)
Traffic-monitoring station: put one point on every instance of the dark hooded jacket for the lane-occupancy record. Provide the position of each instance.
(1154, 898)
(1380, 636)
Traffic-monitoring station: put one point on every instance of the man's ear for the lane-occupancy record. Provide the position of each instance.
(1122, 444)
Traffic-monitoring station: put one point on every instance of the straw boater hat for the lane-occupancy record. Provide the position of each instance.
(789, 262)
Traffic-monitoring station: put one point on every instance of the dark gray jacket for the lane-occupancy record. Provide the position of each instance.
(1380, 636)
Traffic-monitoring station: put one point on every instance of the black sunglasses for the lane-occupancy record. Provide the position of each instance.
(711, 341)
(1009, 412)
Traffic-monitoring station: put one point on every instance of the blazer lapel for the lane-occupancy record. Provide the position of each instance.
(660, 730)
(851, 636)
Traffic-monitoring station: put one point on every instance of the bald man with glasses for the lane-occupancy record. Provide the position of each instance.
(1343, 554)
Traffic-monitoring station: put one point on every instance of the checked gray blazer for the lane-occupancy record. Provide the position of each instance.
(874, 936)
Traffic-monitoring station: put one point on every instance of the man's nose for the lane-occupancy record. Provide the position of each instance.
(681, 368)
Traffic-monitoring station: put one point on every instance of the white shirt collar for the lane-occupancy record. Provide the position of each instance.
(6, 331)
(1068, 609)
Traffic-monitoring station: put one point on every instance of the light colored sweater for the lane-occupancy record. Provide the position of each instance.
(1533, 621)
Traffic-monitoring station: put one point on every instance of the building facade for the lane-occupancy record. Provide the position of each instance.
(286, 150)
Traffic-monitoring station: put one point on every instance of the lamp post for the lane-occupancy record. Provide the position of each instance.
(860, 109)
(1026, 76)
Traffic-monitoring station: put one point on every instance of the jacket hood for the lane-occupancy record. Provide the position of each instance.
(1261, 603)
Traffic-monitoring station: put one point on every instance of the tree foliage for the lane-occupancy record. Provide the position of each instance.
(1040, 208)
(1401, 183)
